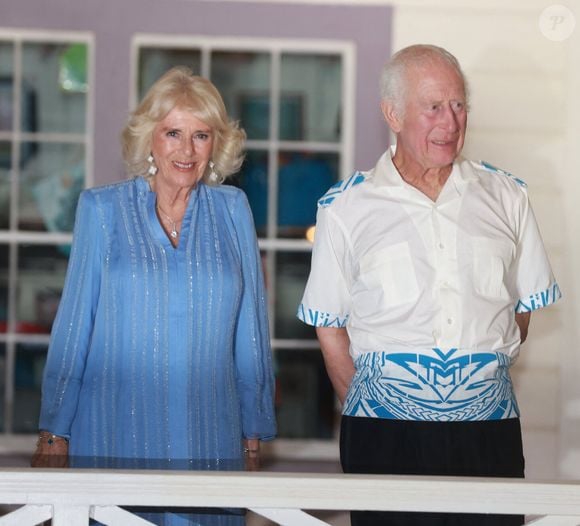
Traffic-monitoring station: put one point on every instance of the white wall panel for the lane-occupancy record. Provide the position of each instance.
(534, 156)
(546, 341)
(544, 466)
(491, 39)
(532, 102)
(548, 203)
(538, 392)
(520, 88)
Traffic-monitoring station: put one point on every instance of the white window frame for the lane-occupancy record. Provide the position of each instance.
(14, 237)
(291, 448)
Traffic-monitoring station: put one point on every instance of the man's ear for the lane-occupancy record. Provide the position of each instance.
(392, 116)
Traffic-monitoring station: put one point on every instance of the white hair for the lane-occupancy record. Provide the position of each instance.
(394, 80)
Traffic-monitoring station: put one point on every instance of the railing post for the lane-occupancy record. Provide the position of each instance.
(64, 515)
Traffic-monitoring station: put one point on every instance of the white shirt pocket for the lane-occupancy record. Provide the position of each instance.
(389, 276)
(491, 261)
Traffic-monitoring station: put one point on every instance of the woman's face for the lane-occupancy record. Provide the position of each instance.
(181, 146)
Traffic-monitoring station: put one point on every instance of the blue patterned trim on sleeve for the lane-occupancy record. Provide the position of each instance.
(540, 299)
(317, 318)
(491, 168)
(335, 190)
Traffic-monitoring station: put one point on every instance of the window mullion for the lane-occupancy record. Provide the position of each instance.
(16, 135)
(348, 112)
(273, 146)
(206, 62)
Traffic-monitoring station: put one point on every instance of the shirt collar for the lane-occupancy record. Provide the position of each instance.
(385, 175)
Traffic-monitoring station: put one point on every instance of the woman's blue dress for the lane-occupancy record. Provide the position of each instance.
(160, 356)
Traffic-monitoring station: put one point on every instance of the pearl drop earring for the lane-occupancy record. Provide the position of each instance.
(213, 176)
(152, 167)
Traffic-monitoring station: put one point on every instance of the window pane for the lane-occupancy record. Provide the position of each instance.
(54, 88)
(6, 86)
(28, 368)
(292, 269)
(303, 178)
(310, 99)
(305, 399)
(5, 162)
(243, 79)
(52, 178)
(153, 62)
(41, 271)
(253, 179)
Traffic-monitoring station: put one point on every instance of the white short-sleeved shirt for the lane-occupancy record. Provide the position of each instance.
(428, 290)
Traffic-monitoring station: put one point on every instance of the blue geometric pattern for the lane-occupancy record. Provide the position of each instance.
(335, 190)
(495, 169)
(432, 386)
(317, 318)
(540, 299)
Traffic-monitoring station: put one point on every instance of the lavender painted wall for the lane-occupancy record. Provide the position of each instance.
(115, 21)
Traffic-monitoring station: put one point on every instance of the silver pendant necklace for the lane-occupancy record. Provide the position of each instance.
(173, 224)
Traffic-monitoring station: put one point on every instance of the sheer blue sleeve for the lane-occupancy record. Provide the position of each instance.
(253, 355)
(73, 324)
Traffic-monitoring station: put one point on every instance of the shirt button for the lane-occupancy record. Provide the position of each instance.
(450, 321)
(441, 246)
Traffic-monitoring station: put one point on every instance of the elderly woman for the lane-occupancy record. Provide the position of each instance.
(159, 355)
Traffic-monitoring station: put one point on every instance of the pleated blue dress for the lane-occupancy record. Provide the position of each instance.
(159, 356)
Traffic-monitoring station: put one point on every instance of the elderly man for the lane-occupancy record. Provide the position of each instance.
(424, 273)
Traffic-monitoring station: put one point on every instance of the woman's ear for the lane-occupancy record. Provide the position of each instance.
(392, 116)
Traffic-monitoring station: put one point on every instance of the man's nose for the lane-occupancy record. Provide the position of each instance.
(450, 119)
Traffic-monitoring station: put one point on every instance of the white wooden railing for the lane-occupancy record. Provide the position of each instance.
(70, 497)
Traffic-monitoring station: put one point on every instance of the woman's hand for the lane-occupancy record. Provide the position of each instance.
(51, 451)
(252, 454)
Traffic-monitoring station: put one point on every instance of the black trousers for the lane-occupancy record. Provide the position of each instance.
(490, 448)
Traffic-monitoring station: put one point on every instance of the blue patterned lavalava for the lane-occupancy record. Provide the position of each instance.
(434, 385)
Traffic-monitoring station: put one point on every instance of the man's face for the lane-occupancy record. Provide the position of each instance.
(431, 132)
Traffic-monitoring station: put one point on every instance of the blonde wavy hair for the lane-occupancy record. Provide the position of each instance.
(179, 88)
